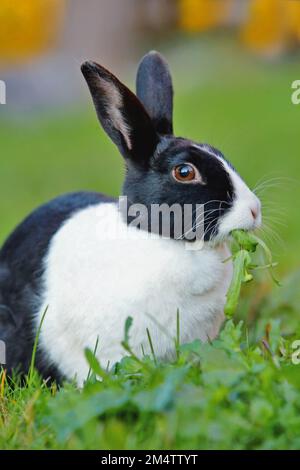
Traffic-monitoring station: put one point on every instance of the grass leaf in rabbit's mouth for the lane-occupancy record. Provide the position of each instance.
(246, 245)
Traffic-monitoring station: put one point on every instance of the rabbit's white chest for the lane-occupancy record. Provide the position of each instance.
(97, 273)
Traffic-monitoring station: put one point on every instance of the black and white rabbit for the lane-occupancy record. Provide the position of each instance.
(79, 257)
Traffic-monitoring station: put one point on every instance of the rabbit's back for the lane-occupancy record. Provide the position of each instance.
(21, 270)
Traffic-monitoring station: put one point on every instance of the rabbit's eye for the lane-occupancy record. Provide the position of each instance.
(185, 173)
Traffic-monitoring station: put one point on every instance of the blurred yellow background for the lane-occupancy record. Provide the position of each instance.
(29, 28)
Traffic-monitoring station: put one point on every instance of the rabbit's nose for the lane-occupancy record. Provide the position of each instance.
(254, 212)
(255, 209)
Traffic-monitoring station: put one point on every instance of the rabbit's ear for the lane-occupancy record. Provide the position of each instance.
(155, 90)
(121, 114)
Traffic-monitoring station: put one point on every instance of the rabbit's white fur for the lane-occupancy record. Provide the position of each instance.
(103, 279)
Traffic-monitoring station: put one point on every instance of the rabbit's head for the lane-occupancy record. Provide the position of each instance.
(162, 168)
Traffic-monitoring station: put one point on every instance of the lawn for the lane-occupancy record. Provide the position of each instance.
(242, 391)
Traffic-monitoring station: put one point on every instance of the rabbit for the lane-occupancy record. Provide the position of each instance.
(81, 264)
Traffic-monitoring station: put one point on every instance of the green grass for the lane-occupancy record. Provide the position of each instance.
(223, 395)
(240, 392)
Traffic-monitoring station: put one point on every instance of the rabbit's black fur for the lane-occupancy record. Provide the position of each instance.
(154, 185)
(155, 90)
(153, 151)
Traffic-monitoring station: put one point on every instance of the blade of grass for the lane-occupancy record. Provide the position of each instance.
(151, 346)
(94, 353)
(35, 345)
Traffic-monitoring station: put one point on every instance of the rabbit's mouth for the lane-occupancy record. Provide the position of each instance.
(245, 214)
(245, 211)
